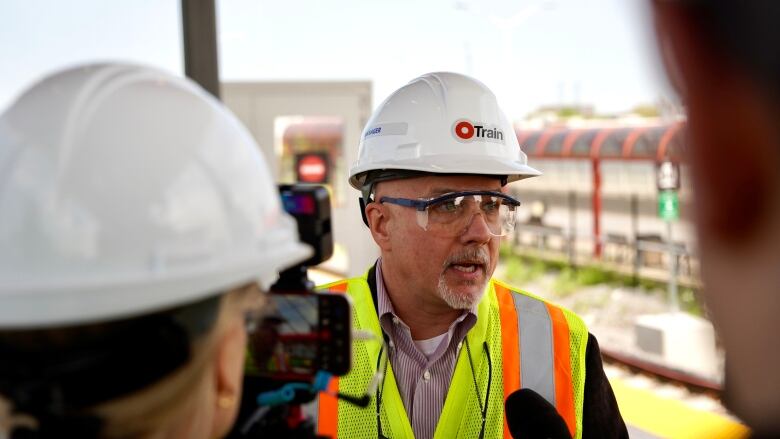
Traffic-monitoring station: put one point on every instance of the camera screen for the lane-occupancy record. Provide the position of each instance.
(299, 204)
(285, 343)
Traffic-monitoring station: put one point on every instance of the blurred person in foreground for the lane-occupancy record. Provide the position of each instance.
(723, 57)
(433, 165)
(138, 226)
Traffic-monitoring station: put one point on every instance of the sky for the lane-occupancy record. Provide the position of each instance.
(530, 53)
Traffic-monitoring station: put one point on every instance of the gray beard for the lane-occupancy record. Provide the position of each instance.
(459, 301)
(464, 301)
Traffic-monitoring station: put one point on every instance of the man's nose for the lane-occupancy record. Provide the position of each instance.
(477, 229)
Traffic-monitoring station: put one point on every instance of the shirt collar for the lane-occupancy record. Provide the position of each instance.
(385, 306)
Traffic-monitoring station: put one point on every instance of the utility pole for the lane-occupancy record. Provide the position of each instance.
(668, 182)
(199, 36)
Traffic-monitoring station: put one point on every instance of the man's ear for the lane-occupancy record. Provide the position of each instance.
(228, 374)
(378, 222)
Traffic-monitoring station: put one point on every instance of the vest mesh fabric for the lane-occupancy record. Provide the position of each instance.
(357, 422)
(471, 424)
(355, 383)
(578, 341)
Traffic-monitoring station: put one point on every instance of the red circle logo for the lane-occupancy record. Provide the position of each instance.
(464, 130)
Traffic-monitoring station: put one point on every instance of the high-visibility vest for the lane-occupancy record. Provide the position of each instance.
(532, 344)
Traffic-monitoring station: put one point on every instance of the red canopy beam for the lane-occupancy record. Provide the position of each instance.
(595, 149)
(568, 142)
(541, 144)
(663, 144)
(633, 136)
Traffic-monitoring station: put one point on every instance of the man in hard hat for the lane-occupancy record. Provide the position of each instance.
(138, 224)
(722, 57)
(433, 164)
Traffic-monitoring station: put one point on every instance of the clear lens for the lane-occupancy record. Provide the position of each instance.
(452, 215)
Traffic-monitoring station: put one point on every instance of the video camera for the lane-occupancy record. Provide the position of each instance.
(304, 336)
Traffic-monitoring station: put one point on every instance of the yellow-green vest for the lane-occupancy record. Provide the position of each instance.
(512, 323)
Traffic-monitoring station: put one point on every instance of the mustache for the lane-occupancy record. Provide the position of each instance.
(471, 255)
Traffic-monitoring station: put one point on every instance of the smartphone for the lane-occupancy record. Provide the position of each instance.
(299, 334)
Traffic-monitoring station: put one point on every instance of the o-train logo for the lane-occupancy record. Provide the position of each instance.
(467, 131)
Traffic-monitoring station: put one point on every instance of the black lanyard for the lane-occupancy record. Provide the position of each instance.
(379, 391)
(483, 407)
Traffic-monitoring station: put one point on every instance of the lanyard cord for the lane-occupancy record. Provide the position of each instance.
(379, 391)
(483, 408)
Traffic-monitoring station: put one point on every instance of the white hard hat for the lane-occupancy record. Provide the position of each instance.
(441, 123)
(125, 190)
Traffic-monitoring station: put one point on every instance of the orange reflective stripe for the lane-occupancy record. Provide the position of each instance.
(564, 390)
(328, 413)
(328, 406)
(340, 287)
(509, 344)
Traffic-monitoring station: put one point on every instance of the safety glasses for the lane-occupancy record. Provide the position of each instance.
(451, 214)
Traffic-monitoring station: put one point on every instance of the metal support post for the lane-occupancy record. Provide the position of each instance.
(673, 299)
(199, 35)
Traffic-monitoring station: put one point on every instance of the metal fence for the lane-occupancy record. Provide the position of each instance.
(644, 256)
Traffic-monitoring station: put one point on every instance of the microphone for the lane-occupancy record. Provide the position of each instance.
(529, 416)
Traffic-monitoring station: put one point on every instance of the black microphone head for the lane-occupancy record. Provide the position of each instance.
(530, 416)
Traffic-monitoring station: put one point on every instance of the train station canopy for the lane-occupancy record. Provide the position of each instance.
(647, 143)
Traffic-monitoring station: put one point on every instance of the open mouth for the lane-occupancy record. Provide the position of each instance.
(469, 264)
(466, 268)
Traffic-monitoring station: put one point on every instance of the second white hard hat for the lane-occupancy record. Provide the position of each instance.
(125, 190)
(444, 123)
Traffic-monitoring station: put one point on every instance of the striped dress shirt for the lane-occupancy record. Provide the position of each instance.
(422, 381)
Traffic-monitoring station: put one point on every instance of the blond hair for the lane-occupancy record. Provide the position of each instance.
(153, 408)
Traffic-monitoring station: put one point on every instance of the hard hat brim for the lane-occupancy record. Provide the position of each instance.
(487, 166)
(62, 302)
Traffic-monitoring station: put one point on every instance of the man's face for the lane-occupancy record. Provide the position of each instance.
(450, 269)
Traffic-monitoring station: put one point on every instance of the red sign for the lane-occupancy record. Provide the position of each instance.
(312, 168)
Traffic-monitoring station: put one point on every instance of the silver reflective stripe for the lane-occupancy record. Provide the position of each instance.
(536, 346)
